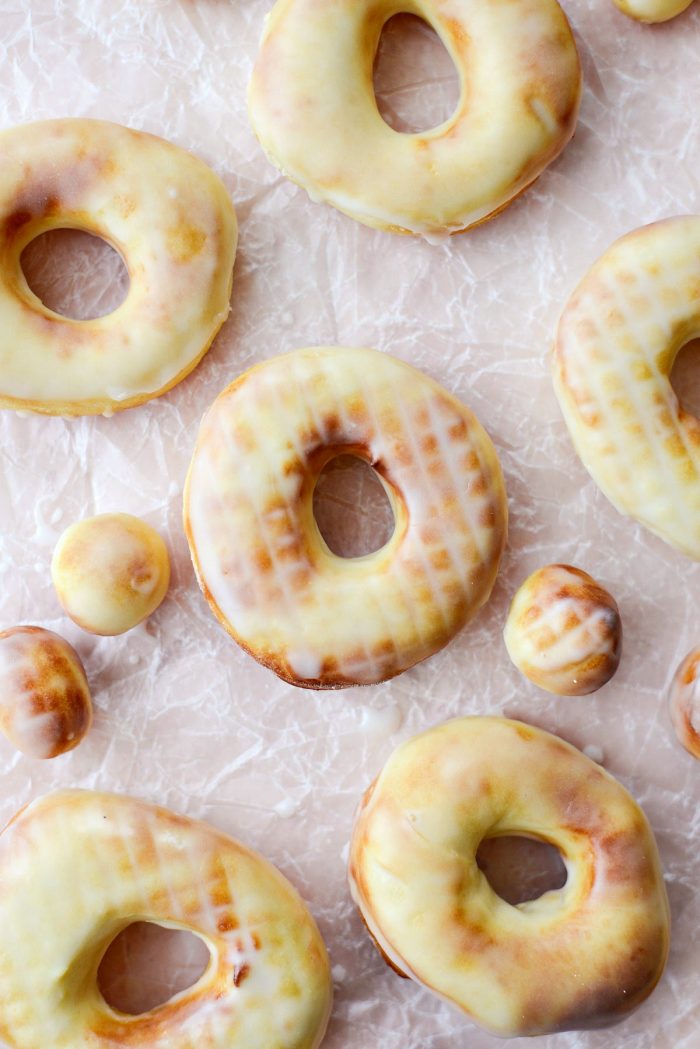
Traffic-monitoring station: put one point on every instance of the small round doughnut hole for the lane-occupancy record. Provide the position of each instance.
(110, 572)
(684, 702)
(45, 706)
(564, 632)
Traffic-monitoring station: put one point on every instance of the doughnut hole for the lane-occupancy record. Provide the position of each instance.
(564, 631)
(352, 509)
(147, 964)
(416, 83)
(685, 377)
(519, 869)
(684, 703)
(45, 705)
(110, 572)
(75, 273)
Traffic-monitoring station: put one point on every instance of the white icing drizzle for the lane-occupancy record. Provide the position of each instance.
(311, 615)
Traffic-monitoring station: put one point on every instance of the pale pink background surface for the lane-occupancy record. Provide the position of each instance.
(185, 718)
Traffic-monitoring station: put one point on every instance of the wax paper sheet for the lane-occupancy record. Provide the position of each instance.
(184, 717)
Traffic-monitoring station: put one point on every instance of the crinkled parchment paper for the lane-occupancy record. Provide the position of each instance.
(183, 716)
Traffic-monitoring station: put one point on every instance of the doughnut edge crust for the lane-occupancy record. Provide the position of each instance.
(414, 878)
(315, 619)
(170, 218)
(616, 342)
(120, 860)
(441, 181)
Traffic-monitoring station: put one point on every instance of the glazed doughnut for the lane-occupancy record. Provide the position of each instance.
(563, 631)
(684, 703)
(319, 620)
(581, 956)
(78, 867)
(110, 572)
(312, 106)
(652, 10)
(170, 218)
(614, 350)
(45, 704)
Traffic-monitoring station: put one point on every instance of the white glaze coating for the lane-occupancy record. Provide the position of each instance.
(615, 347)
(563, 631)
(77, 867)
(312, 106)
(318, 619)
(584, 955)
(108, 180)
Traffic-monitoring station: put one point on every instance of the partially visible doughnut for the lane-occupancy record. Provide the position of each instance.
(684, 703)
(312, 106)
(616, 343)
(564, 631)
(110, 572)
(172, 221)
(319, 620)
(652, 10)
(78, 867)
(585, 955)
(45, 704)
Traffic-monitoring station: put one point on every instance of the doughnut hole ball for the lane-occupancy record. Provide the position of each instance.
(110, 572)
(45, 705)
(684, 703)
(564, 631)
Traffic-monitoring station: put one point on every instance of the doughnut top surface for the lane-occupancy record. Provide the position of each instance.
(317, 619)
(170, 218)
(312, 106)
(582, 956)
(78, 867)
(618, 337)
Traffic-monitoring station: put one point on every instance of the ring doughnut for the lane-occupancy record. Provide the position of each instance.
(319, 620)
(617, 340)
(312, 105)
(78, 867)
(170, 218)
(582, 956)
(652, 10)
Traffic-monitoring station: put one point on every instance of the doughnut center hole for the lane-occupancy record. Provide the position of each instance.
(520, 869)
(685, 377)
(416, 83)
(146, 964)
(351, 507)
(76, 274)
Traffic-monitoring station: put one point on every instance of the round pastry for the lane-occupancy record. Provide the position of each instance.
(564, 631)
(312, 106)
(78, 867)
(652, 10)
(684, 703)
(581, 956)
(110, 572)
(617, 340)
(319, 620)
(170, 218)
(45, 706)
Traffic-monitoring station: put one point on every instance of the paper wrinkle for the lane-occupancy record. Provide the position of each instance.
(185, 718)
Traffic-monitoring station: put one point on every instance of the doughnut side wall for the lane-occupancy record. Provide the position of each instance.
(185, 718)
